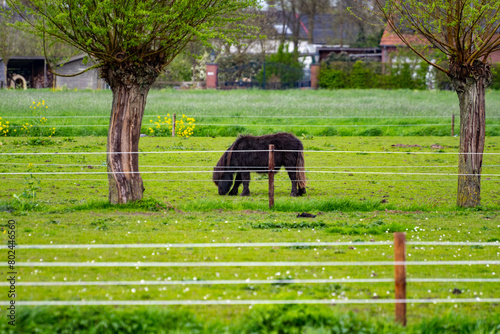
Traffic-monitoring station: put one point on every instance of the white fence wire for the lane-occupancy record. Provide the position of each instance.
(254, 281)
(255, 264)
(248, 302)
(253, 245)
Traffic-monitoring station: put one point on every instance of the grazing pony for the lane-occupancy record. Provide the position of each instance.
(250, 153)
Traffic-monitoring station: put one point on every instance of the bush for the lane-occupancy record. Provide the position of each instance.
(495, 84)
(361, 76)
(332, 79)
(341, 71)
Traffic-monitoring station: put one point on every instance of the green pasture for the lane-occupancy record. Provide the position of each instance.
(228, 113)
(362, 188)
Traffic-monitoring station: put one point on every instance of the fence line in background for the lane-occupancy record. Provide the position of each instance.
(235, 171)
(243, 151)
(228, 167)
(250, 125)
(255, 281)
(210, 181)
(250, 116)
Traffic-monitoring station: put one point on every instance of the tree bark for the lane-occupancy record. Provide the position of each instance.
(125, 182)
(4, 84)
(470, 84)
(130, 85)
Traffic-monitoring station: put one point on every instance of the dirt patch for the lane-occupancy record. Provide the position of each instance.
(138, 213)
(403, 145)
(403, 212)
(254, 212)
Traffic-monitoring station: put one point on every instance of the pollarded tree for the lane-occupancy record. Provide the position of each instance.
(131, 42)
(466, 31)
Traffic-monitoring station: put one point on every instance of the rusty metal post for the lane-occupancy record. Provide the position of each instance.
(173, 125)
(271, 176)
(400, 276)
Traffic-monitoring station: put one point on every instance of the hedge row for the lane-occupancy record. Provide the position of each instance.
(404, 75)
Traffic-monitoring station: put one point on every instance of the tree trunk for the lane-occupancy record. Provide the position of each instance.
(5, 83)
(125, 182)
(130, 83)
(310, 32)
(470, 84)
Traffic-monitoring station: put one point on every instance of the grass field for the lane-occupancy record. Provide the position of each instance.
(228, 113)
(358, 195)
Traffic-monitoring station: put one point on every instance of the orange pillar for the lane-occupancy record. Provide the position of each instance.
(212, 80)
(314, 76)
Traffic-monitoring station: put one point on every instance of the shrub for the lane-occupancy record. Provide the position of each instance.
(332, 79)
(361, 76)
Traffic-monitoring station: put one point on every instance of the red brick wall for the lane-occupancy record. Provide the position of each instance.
(314, 75)
(212, 81)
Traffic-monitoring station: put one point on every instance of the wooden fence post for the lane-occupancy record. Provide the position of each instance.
(452, 125)
(271, 176)
(173, 125)
(400, 276)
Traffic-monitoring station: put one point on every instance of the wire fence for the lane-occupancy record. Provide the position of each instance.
(255, 281)
(255, 125)
(250, 151)
(198, 169)
(208, 283)
(247, 116)
(250, 302)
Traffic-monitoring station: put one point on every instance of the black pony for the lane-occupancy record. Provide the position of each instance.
(250, 153)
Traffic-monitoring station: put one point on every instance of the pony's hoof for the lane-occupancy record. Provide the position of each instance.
(294, 194)
(233, 193)
(245, 194)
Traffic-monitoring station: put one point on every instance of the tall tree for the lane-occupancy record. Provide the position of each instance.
(131, 42)
(311, 8)
(291, 20)
(466, 31)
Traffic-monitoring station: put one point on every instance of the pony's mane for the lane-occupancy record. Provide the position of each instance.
(222, 164)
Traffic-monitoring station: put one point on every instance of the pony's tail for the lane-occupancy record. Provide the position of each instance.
(301, 172)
